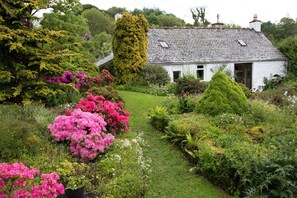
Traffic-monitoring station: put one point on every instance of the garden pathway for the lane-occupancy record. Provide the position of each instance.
(170, 176)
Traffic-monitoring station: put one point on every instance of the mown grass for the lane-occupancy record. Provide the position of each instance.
(170, 176)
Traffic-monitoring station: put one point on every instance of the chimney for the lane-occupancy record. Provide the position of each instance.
(255, 24)
(218, 24)
(117, 16)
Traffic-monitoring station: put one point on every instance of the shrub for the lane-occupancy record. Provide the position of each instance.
(85, 131)
(222, 96)
(189, 85)
(112, 112)
(159, 118)
(18, 138)
(155, 74)
(108, 92)
(122, 172)
(17, 180)
(248, 93)
(226, 119)
(187, 103)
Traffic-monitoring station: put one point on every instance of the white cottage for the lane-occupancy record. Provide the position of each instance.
(247, 53)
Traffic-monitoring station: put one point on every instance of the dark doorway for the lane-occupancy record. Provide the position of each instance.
(243, 74)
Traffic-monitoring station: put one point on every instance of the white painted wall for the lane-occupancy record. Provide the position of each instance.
(266, 69)
(259, 70)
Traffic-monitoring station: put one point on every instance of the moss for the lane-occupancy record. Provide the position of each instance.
(222, 96)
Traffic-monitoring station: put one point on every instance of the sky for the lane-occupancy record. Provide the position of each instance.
(239, 12)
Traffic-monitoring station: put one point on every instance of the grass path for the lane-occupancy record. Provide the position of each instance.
(170, 175)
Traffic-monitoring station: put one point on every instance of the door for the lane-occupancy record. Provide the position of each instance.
(243, 74)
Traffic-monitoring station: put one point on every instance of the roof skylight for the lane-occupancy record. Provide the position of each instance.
(241, 42)
(163, 44)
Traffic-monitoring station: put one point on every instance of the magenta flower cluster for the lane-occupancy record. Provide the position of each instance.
(81, 80)
(112, 112)
(17, 181)
(85, 131)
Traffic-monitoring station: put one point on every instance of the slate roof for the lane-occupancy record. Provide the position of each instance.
(193, 45)
(206, 45)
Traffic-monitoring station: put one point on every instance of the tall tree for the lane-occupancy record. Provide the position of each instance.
(98, 21)
(199, 16)
(288, 47)
(26, 58)
(156, 17)
(276, 32)
(115, 10)
(129, 46)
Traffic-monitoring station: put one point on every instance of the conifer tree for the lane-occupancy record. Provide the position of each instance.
(222, 96)
(26, 58)
(129, 46)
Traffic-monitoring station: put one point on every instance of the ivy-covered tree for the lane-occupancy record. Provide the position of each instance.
(222, 96)
(28, 55)
(129, 46)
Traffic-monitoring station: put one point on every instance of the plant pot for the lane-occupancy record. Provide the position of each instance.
(77, 193)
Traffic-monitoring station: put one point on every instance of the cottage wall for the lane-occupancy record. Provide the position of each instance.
(266, 69)
(259, 70)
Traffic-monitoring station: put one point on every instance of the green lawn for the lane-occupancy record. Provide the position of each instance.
(170, 176)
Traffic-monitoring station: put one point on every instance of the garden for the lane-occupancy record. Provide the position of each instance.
(243, 142)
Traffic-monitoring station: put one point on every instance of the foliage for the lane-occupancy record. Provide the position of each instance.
(155, 74)
(17, 138)
(222, 96)
(157, 18)
(170, 173)
(16, 181)
(72, 174)
(125, 168)
(98, 21)
(189, 85)
(85, 131)
(247, 92)
(30, 54)
(112, 112)
(199, 16)
(64, 17)
(99, 46)
(108, 92)
(115, 10)
(276, 32)
(288, 47)
(129, 46)
(159, 118)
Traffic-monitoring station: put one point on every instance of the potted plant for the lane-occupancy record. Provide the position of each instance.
(73, 177)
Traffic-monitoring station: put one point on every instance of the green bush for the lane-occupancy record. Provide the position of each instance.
(189, 85)
(187, 103)
(123, 171)
(222, 96)
(108, 92)
(248, 93)
(155, 74)
(18, 138)
(159, 118)
(225, 120)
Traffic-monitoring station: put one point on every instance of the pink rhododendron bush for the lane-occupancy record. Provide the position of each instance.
(112, 112)
(85, 131)
(18, 181)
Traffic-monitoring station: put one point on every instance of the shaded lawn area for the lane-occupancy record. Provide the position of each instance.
(170, 176)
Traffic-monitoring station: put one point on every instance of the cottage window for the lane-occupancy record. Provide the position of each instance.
(176, 75)
(241, 42)
(200, 72)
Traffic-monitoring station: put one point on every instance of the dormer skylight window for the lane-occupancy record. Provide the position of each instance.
(241, 42)
(163, 44)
